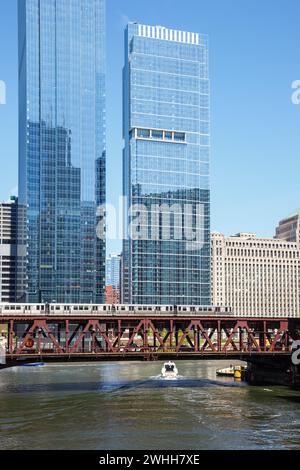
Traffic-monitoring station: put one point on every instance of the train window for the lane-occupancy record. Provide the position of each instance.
(52, 308)
(122, 308)
(57, 308)
(131, 309)
(167, 309)
(104, 308)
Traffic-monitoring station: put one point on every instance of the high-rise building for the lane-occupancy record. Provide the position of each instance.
(12, 272)
(113, 264)
(255, 276)
(289, 228)
(62, 147)
(166, 251)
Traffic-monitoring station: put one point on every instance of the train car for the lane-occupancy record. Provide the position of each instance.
(110, 310)
(22, 309)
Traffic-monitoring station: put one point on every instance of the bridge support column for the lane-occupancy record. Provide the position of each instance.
(219, 333)
(11, 337)
(270, 371)
(67, 335)
(171, 333)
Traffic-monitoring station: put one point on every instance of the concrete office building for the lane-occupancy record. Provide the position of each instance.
(255, 276)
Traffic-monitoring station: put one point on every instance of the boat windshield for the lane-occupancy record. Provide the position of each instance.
(169, 367)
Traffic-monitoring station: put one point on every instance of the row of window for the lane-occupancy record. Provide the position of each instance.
(260, 254)
(155, 134)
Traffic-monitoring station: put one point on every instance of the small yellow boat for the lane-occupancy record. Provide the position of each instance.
(227, 372)
(238, 372)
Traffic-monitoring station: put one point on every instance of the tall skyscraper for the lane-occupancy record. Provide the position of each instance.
(62, 149)
(166, 167)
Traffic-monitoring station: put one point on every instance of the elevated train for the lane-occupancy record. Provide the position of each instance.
(110, 310)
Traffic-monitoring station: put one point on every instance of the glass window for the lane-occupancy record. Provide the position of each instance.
(168, 135)
(157, 134)
(179, 136)
(143, 133)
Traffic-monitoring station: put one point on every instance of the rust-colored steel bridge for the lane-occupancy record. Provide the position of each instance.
(147, 337)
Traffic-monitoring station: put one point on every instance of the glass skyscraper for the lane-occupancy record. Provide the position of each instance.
(62, 149)
(113, 264)
(166, 248)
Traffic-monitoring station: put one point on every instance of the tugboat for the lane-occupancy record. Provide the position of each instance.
(169, 370)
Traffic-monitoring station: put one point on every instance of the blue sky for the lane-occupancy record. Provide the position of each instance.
(254, 58)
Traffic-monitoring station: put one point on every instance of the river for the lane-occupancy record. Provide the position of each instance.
(106, 406)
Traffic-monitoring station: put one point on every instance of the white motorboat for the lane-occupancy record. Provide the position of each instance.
(169, 370)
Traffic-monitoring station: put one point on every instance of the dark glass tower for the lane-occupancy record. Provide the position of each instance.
(166, 167)
(62, 149)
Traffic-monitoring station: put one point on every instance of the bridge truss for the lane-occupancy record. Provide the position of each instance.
(109, 337)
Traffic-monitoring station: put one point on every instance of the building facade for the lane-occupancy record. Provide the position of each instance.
(113, 285)
(12, 272)
(112, 295)
(166, 251)
(62, 151)
(289, 228)
(255, 276)
(113, 265)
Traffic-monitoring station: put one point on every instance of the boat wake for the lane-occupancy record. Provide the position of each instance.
(160, 377)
